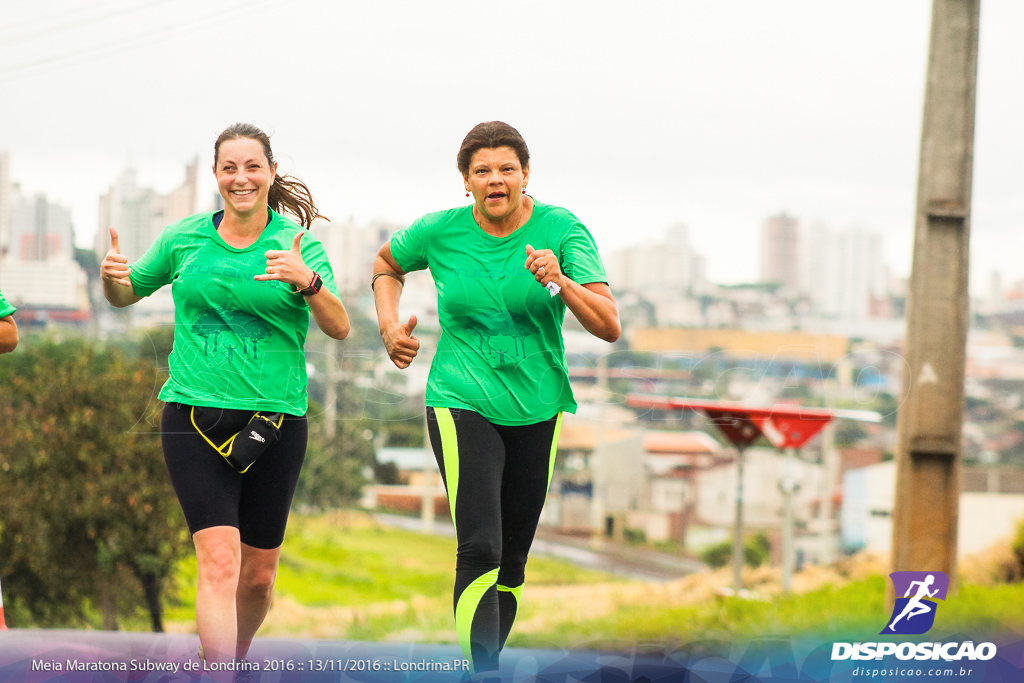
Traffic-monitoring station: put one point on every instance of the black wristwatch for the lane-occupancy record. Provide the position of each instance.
(314, 286)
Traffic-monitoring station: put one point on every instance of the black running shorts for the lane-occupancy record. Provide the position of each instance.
(211, 493)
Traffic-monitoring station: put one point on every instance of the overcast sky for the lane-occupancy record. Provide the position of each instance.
(638, 115)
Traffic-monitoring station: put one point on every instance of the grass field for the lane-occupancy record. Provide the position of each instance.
(342, 576)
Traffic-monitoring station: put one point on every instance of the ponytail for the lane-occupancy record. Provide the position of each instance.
(288, 194)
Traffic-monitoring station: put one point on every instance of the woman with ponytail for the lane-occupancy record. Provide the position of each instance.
(244, 280)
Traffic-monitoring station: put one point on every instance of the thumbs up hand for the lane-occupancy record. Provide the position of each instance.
(287, 265)
(401, 345)
(115, 264)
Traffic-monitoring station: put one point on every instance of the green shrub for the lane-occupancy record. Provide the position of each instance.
(756, 551)
(1015, 572)
(634, 536)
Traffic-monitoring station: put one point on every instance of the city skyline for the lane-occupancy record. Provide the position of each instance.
(840, 273)
(187, 195)
(713, 115)
(802, 259)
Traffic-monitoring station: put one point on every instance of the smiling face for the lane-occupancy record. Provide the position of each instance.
(497, 180)
(244, 175)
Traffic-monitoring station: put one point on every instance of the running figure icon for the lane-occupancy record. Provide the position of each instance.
(916, 605)
(921, 591)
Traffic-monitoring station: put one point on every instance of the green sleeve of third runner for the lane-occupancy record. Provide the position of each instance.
(6, 308)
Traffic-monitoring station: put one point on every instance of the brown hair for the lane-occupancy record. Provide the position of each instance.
(288, 193)
(491, 135)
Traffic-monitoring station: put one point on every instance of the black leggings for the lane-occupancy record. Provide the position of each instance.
(211, 493)
(497, 478)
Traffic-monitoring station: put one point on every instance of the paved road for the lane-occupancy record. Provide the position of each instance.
(614, 558)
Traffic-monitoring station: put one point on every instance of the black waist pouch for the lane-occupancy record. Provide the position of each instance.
(244, 445)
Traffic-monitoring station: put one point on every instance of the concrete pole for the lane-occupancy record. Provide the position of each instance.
(830, 473)
(930, 422)
(333, 376)
(598, 467)
(788, 487)
(737, 530)
(830, 470)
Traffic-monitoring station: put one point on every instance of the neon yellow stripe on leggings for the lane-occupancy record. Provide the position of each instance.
(517, 592)
(551, 460)
(450, 452)
(466, 610)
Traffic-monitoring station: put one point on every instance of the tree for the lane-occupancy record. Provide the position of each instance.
(336, 469)
(248, 328)
(85, 500)
(209, 325)
(332, 473)
(522, 327)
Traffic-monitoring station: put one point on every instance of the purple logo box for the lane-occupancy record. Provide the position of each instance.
(901, 582)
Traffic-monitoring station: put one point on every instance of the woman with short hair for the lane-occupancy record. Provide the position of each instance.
(506, 268)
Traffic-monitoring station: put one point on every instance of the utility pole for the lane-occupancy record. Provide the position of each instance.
(333, 376)
(599, 467)
(788, 486)
(737, 523)
(830, 472)
(930, 423)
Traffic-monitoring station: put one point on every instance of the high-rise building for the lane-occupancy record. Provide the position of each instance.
(670, 265)
(844, 273)
(139, 214)
(5, 202)
(820, 259)
(38, 269)
(678, 258)
(352, 249)
(861, 272)
(780, 252)
(39, 229)
(666, 275)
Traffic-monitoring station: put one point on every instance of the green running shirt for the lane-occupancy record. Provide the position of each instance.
(238, 342)
(6, 309)
(501, 351)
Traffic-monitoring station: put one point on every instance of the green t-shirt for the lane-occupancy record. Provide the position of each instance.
(501, 352)
(238, 342)
(6, 309)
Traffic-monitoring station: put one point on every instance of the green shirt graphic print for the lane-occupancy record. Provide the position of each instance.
(238, 342)
(501, 351)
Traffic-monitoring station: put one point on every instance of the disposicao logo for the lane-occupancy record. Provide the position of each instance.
(914, 613)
